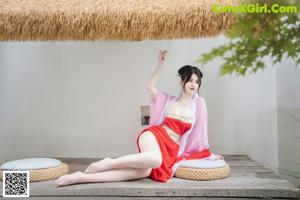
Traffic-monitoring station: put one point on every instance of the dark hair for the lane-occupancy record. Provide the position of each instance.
(186, 72)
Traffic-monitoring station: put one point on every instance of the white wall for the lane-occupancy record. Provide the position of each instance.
(82, 99)
(288, 87)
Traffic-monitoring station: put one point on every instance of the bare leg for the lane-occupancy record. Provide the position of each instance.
(107, 176)
(139, 160)
(150, 157)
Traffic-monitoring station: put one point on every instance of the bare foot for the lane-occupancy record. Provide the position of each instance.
(69, 179)
(99, 166)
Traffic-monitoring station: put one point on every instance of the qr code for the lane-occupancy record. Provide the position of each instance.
(15, 183)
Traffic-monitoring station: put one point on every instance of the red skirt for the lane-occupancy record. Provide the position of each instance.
(169, 150)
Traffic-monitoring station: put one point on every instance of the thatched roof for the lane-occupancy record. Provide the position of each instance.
(110, 19)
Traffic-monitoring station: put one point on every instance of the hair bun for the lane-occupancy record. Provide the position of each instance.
(183, 70)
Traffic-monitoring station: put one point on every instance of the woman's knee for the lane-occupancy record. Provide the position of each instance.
(148, 142)
(144, 172)
(155, 159)
(150, 147)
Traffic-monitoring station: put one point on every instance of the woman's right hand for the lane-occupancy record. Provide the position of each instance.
(161, 56)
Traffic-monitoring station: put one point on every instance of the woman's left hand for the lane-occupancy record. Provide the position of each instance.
(219, 157)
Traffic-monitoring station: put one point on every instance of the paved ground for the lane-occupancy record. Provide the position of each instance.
(248, 180)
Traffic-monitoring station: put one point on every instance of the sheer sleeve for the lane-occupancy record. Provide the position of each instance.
(204, 123)
(157, 105)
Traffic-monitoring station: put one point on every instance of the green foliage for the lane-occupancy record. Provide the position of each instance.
(253, 37)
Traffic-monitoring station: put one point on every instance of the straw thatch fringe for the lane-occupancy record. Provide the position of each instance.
(110, 19)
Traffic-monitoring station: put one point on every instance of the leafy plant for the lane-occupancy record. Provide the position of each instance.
(253, 37)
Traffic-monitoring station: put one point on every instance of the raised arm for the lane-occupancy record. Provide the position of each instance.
(154, 76)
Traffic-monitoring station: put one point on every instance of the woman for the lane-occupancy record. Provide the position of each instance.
(177, 132)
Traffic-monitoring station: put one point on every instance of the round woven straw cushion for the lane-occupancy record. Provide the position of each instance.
(40, 169)
(203, 174)
(30, 164)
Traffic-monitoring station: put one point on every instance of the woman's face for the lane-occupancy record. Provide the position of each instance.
(191, 85)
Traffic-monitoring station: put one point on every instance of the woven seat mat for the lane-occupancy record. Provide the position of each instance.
(202, 174)
(45, 174)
